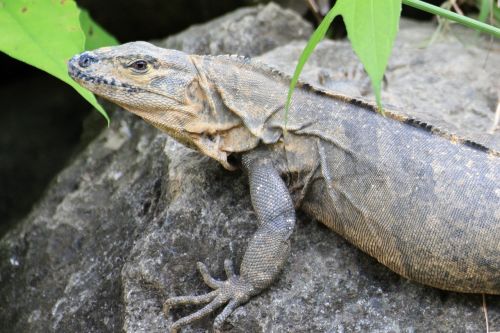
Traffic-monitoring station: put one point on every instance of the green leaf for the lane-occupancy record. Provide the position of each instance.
(484, 10)
(371, 27)
(95, 35)
(485, 7)
(496, 13)
(44, 34)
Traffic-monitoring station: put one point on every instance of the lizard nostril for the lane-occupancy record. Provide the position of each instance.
(86, 60)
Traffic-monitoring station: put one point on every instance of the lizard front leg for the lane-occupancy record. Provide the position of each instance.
(266, 253)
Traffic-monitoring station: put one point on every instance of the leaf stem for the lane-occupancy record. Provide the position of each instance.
(467, 21)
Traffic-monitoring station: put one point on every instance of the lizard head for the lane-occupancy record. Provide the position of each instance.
(161, 86)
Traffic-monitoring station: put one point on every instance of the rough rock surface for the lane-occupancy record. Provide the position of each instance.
(248, 32)
(122, 227)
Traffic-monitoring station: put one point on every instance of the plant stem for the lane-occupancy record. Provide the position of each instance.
(467, 21)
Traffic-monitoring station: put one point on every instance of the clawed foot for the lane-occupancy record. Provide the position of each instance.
(234, 291)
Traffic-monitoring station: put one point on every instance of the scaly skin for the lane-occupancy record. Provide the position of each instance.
(423, 202)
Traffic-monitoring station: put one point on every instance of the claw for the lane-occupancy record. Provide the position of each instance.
(234, 291)
(228, 267)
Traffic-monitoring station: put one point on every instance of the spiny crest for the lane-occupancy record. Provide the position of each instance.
(392, 114)
(445, 134)
(265, 69)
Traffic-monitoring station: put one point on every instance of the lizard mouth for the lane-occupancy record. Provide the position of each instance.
(108, 87)
(87, 79)
(91, 81)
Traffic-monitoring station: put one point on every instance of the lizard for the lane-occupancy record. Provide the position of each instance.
(422, 201)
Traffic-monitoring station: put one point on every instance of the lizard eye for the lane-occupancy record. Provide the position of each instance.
(139, 66)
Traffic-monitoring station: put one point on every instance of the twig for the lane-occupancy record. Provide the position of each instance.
(485, 310)
(455, 6)
(315, 9)
(496, 120)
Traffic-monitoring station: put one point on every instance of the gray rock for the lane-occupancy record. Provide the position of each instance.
(121, 228)
(299, 6)
(248, 31)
